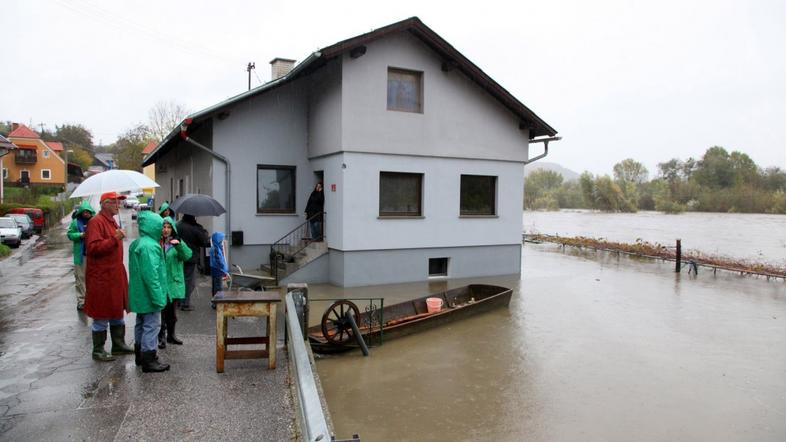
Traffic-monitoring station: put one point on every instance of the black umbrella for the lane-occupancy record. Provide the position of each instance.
(198, 205)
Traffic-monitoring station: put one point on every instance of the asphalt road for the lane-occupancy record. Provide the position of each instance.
(51, 389)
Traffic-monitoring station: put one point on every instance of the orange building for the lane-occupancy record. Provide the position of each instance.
(35, 162)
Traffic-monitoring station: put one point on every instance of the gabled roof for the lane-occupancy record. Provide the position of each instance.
(452, 59)
(55, 145)
(23, 132)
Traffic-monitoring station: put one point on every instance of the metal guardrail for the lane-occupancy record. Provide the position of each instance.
(312, 418)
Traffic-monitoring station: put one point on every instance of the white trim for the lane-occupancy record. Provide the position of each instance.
(50, 174)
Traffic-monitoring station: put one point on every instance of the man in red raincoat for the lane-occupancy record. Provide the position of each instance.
(106, 300)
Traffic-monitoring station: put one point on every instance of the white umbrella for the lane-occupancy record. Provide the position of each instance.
(115, 180)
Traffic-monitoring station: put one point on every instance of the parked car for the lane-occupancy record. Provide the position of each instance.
(37, 215)
(10, 232)
(131, 202)
(25, 223)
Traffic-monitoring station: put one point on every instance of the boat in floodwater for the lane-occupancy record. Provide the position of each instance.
(335, 332)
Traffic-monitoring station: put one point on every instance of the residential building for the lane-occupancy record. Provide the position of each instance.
(149, 170)
(35, 162)
(421, 154)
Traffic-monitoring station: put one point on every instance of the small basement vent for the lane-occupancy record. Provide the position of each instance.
(438, 267)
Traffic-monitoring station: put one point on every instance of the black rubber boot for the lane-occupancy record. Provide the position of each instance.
(170, 334)
(162, 338)
(119, 346)
(99, 354)
(137, 354)
(150, 363)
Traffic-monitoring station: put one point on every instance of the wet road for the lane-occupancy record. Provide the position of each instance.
(51, 389)
(593, 347)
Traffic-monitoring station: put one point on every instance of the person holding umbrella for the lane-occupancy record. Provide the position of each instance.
(106, 297)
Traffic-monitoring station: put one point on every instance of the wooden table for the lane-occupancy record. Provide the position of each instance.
(245, 303)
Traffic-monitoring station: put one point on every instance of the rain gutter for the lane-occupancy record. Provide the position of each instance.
(545, 142)
(223, 159)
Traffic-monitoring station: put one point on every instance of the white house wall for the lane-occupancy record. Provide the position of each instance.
(324, 119)
(459, 118)
(440, 225)
(270, 129)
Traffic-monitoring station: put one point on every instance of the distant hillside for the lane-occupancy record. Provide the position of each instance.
(567, 174)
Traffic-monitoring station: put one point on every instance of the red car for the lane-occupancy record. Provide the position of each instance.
(37, 215)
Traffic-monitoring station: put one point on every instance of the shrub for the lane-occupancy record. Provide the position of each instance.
(4, 250)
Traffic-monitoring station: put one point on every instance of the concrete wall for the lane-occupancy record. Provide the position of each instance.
(324, 119)
(374, 267)
(459, 119)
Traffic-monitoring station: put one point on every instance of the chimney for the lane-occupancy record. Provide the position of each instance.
(280, 67)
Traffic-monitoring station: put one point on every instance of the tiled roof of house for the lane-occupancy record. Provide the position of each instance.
(55, 145)
(149, 148)
(23, 132)
(6, 144)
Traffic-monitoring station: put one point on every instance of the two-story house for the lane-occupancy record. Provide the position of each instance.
(421, 154)
(35, 162)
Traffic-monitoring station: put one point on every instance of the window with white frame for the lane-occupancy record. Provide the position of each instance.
(46, 174)
(478, 195)
(46, 153)
(405, 90)
(400, 194)
(275, 189)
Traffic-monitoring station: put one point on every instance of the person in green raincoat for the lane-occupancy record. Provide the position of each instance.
(165, 211)
(176, 252)
(76, 233)
(147, 289)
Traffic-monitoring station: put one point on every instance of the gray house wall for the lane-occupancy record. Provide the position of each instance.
(324, 118)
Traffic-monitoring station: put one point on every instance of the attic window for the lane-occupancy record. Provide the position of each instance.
(405, 90)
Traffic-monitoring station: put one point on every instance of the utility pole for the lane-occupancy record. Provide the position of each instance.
(251, 65)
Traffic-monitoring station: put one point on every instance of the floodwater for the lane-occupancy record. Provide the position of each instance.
(593, 347)
(758, 237)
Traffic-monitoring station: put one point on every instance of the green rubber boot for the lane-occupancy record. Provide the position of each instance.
(99, 354)
(119, 346)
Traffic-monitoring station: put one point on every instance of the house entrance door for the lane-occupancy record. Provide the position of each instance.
(24, 177)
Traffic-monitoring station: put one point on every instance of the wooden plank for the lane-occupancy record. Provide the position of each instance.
(245, 354)
(247, 340)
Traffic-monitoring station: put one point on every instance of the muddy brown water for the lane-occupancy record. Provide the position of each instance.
(593, 347)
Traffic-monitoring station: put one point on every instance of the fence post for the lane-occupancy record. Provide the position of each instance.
(679, 256)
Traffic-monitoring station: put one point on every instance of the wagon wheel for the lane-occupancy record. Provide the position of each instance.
(335, 326)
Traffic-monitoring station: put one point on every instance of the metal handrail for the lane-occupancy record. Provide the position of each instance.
(293, 239)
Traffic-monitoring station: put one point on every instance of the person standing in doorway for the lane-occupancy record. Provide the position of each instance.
(106, 281)
(147, 289)
(76, 233)
(196, 238)
(175, 254)
(314, 209)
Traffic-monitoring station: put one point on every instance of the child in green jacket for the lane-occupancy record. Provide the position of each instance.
(176, 253)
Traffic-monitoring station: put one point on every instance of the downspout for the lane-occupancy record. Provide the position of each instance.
(186, 138)
(545, 142)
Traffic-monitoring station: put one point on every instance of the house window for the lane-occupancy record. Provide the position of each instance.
(478, 195)
(405, 90)
(46, 153)
(400, 194)
(438, 267)
(5, 173)
(275, 189)
(46, 174)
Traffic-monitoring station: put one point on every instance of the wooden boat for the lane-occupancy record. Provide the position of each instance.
(334, 334)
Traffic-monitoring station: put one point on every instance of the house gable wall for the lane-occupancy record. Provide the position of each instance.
(54, 163)
(459, 119)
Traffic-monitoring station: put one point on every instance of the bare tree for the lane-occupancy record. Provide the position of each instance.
(164, 116)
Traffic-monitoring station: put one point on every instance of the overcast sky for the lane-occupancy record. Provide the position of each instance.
(617, 79)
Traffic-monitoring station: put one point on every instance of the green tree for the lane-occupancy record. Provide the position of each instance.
(80, 156)
(587, 186)
(538, 184)
(630, 171)
(74, 135)
(128, 147)
(608, 196)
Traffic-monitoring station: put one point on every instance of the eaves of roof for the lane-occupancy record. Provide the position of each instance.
(452, 59)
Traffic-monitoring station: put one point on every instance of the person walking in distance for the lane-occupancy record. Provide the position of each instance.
(196, 238)
(76, 233)
(147, 287)
(106, 281)
(314, 209)
(176, 253)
